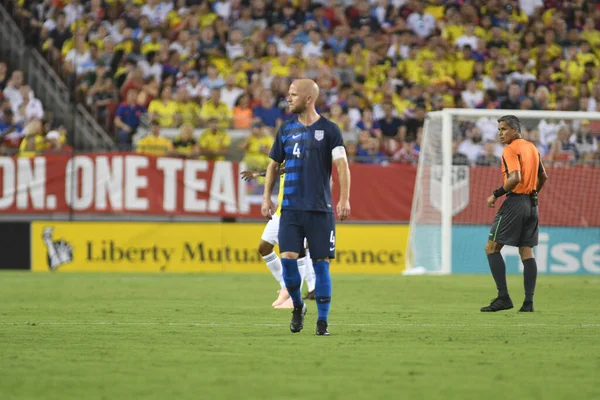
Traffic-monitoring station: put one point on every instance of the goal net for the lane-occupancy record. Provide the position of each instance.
(459, 167)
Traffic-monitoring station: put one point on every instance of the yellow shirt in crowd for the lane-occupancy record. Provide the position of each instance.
(154, 145)
(165, 112)
(214, 142)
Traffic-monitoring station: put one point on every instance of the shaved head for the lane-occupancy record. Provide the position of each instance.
(302, 95)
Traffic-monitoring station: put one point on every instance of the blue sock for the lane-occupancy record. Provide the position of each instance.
(292, 279)
(322, 288)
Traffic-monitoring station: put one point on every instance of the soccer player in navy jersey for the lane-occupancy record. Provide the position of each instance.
(309, 144)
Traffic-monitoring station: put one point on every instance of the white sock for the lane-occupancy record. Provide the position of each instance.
(274, 264)
(310, 273)
(302, 270)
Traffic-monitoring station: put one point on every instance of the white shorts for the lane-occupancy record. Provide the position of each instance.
(271, 232)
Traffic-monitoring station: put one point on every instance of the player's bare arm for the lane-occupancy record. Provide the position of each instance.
(343, 206)
(542, 177)
(513, 180)
(268, 208)
(250, 175)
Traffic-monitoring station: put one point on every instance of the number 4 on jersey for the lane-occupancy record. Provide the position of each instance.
(332, 240)
(296, 150)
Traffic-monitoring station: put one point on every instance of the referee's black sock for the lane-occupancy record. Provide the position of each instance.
(498, 268)
(529, 277)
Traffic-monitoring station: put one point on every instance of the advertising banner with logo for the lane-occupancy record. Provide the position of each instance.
(197, 247)
(117, 184)
(126, 183)
(561, 251)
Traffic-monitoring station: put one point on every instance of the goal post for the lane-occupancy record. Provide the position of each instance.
(451, 187)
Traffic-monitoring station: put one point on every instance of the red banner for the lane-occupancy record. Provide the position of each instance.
(125, 183)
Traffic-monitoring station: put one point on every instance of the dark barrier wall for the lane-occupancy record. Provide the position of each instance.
(15, 245)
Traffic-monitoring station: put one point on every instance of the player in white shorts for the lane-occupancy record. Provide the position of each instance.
(268, 241)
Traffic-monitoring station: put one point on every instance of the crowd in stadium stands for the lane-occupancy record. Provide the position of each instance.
(381, 66)
(24, 126)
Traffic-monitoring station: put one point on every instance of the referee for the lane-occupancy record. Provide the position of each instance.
(516, 223)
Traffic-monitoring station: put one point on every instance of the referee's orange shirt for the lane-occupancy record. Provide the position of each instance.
(523, 156)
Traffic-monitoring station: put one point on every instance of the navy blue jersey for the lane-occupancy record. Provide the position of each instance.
(306, 151)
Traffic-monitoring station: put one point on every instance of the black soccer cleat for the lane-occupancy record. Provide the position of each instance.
(527, 306)
(322, 328)
(310, 295)
(298, 318)
(498, 304)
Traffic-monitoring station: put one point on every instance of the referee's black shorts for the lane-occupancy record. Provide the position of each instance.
(516, 223)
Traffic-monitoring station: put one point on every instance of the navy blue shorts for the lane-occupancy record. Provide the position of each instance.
(317, 227)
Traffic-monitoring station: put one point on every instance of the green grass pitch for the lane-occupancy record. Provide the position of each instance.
(209, 336)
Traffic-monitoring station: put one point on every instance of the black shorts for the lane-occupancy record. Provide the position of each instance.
(317, 227)
(516, 223)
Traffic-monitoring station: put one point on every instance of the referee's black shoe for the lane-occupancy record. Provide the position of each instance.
(527, 306)
(498, 304)
(322, 328)
(298, 318)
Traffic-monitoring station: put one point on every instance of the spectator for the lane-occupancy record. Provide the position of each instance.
(391, 126)
(187, 109)
(73, 12)
(127, 118)
(28, 147)
(520, 76)
(407, 153)
(471, 147)
(195, 88)
(513, 101)
(164, 109)
(339, 40)
(257, 146)
(214, 108)
(541, 100)
(59, 35)
(421, 23)
(488, 158)
(585, 143)
(33, 107)
(472, 97)
(34, 142)
(154, 144)
(212, 80)
(413, 124)
(369, 150)
(185, 144)
(468, 38)
(13, 89)
(351, 151)
(104, 94)
(458, 158)
(55, 143)
(367, 123)
(314, 48)
(230, 92)
(245, 23)
(338, 117)
(214, 142)
(267, 111)
(9, 129)
(563, 151)
(242, 113)
(151, 67)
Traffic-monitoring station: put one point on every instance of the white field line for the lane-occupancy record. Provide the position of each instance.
(233, 325)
